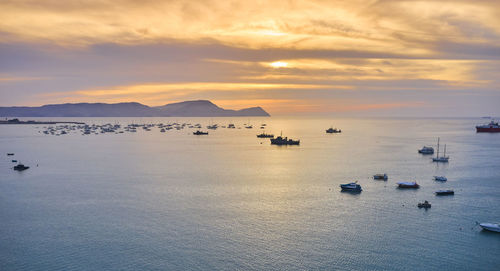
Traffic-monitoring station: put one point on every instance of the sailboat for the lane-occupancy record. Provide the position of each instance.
(442, 159)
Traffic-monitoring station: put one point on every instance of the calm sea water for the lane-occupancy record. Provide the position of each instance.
(231, 201)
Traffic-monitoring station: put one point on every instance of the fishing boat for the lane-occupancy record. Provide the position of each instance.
(492, 127)
(264, 135)
(20, 167)
(491, 226)
(408, 185)
(332, 130)
(445, 192)
(426, 150)
(351, 187)
(424, 204)
(280, 140)
(441, 159)
(440, 178)
(381, 177)
(198, 132)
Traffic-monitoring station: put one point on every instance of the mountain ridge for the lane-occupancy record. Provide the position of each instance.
(196, 108)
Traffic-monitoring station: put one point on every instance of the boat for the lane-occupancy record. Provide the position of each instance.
(198, 132)
(440, 178)
(445, 192)
(492, 127)
(10, 154)
(264, 135)
(20, 167)
(490, 226)
(14, 161)
(213, 127)
(332, 130)
(424, 204)
(426, 150)
(280, 140)
(381, 177)
(351, 187)
(442, 159)
(408, 185)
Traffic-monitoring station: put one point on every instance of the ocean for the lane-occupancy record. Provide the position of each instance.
(231, 201)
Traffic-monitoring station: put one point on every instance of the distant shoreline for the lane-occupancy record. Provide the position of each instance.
(17, 121)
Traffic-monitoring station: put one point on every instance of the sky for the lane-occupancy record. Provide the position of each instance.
(372, 58)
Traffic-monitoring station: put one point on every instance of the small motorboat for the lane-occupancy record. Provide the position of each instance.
(426, 150)
(445, 192)
(490, 226)
(264, 135)
(332, 130)
(14, 161)
(380, 177)
(351, 187)
(198, 132)
(424, 204)
(408, 185)
(20, 167)
(10, 154)
(440, 178)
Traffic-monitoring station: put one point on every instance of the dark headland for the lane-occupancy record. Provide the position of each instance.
(199, 108)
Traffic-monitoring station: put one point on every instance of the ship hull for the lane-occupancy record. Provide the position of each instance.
(487, 130)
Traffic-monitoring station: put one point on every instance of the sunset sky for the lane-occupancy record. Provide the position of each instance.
(415, 58)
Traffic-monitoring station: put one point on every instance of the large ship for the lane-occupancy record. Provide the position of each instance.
(280, 140)
(491, 127)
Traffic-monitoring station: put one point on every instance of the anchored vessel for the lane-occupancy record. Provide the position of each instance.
(426, 150)
(264, 135)
(332, 130)
(280, 140)
(20, 167)
(351, 187)
(491, 226)
(198, 132)
(492, 127)
(381, 177)
(445, 192)
(408, 185)
(424, 204)
(442, 159)
(440, 178)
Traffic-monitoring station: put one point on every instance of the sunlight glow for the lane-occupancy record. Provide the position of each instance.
(278, 64)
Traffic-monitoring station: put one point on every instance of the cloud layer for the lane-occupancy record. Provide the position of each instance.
(418, 57)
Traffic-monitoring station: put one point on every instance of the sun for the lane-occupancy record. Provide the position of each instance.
(278, 64)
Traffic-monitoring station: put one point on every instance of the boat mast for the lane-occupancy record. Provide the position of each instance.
(444, 155)
(437, 154)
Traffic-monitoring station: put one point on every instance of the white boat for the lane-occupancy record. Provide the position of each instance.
(490, 226)
(442, 159)
(440, 178)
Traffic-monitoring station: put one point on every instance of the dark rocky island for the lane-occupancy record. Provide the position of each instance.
(199, 108)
